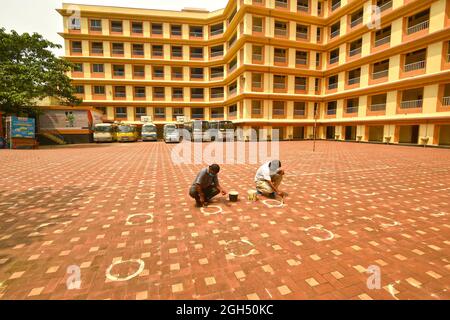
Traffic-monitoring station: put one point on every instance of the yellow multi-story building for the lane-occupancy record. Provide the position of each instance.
(292, 65)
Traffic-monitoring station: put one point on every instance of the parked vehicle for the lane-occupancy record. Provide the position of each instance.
(222, 130)
(199, 130)
(171, 133)
(105, 132)
(126, 132)
(149, 132)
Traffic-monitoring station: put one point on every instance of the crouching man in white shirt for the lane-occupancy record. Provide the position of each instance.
(268, 179)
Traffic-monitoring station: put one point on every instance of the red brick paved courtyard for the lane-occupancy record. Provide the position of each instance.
(123, 210)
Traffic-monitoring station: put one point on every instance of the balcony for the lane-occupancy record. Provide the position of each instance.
(257, 57)
(177, 75)
(356, 22)
(177, 95)
(302, 35)
(353, 81)
(331, 112)
(336, 6)
(197, 96)
(281, 4)
(215, 54)
(176, 33)
(355, 52)
(334, 60)
(446, 101)
(279, 86)
(281, 32)
(257, 84)
(280, 59)
(158, 74)
(195, 55)
(117, 29)
(335, 33)
(196, 76)
(196, 34)
(418, 27)
(380, 74)
(300, 87)
(217, 95)
(351, 110)
(378, 107)
(412, 104)
(332, 86)
(217, 75)
(385, 6)
(301, 61)
(216, 32)
(382, 41)
(414, 66)
(232, 92)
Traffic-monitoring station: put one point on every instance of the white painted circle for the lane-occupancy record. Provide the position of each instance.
(217, 211)
(323, 196)
(363, 192)
(330, 234)
(131, 216)
(117, 279)
(240, 241)
(272, 203)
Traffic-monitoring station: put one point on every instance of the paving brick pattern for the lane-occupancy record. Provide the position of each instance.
(122, 215)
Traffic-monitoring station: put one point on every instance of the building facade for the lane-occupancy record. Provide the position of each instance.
(292, 65)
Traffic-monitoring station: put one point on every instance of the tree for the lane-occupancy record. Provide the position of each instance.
(29, 72)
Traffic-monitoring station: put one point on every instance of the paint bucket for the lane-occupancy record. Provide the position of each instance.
(252, 195)
(234, 196)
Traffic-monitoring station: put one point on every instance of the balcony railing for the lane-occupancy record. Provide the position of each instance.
(97, 50)
(257, 84)
(137, 30)
(117, 29)
(412, 104)
(177, 54)
(157, 54)
(446, 101)
(139, 94)
(232, 91)
(356, 22)
(354, 81)
(380, 74)
(280, 32)
(351, 110)
(121, 115)
(334, 60)
(120, 95)
(301, 61)
(197, 76)
(95, 28)
(196, 34)
(176, 33)
(197, 96)
(217, 75)
(302, 8)
(280, 59)
(217, 95)
(418, 27)
(257, 29)
(414, 66)
(331, 112)
(300, 87)
(196, 55)
(176, 75)
(119, 73)
(332, 86)
(216, 54)
(336, 6)
(216, 32)
(281, 4)
(177, 96)
(159, 95)
(158, 75)
(382, 41)
(302, 35)
(378, 107)
(385, 6)
(355, 52)
(299, 112)
(280, 86)
(335, 33)
(138, 52)
(257, 57)
(139, 74)
(118, 51)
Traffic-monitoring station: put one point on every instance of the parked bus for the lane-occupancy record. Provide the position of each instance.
(199, 130)
(149, 132)
(127, 132)
(105, 132)
(171, 133)
(222, 130)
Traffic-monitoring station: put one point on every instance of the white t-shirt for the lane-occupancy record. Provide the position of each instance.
(264, 173)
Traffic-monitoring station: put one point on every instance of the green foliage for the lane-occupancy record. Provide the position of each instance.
(29, 72)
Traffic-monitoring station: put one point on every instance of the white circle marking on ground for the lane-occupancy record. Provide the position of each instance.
(131, 216)
(330, 234)
(272, 203)
(217, 211)
(131, 276)
(241, 241)
(363, 192)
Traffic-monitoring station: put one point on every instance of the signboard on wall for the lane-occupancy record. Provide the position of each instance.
(69, 119)
(20, 127)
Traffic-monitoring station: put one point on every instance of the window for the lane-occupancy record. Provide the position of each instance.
(118, 48)
(79, 89)
(232, 65)
(139, 71)
(281, 29)
(415, 60)
(301, 58)
(331, 108)
(232, 40)
(232, 88)
(157, 51)
(139, 92)
(177, 73)
(177, 52)
(354, 76)
(97, 47)
(335, 4)
(159, 93)
(137, 28)
(257, 24)
(384, 5)
(334, 56)
(302, 32)
(303, 5)
(176, 30)
(158, 72)
(196, 31)
(300, 83)
(121, 112)
(217, 113)
(257, 80)
(141, 112)
(216, 72)
(281, 4)
(232, 15)
(352, 105)
(232, 110)
(412, 99)
(279, 82)
(196, 52)
(378, 102)
(335, 30)
(160, 113)
(118, 70)
(98, 68)
(319, 34)
(138, 50)
(177, 112)
(216, 29)
(157, 29)
(77, 47)
(299, 109)
(278, 108)
(120, 92)
(216, 51)
(418, 22)
(99, 90)
(333, 82)
(257, 53)
(380, 69)
(197, 73)
(77, 67)
(383, 36)
(280, 55)
(217, 93)
(257, 107)
(95, 25)
(356, 18)
(117, 26)
(177, 93)
(74, 24)
(198, 113)
(197, 93)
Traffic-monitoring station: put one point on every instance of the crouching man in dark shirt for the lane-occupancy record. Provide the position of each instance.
(206, 186)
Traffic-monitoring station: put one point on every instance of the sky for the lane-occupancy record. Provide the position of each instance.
(40, 15)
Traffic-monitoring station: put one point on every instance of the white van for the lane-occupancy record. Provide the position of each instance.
(149, 132)
(171, 133)
(105, 132)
